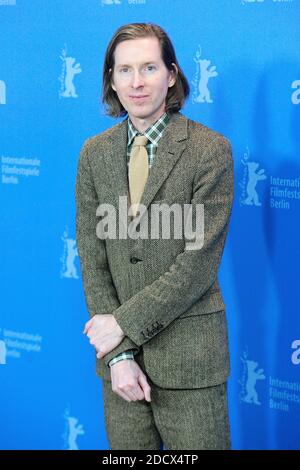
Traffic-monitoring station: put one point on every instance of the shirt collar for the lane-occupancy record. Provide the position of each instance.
(153, 133)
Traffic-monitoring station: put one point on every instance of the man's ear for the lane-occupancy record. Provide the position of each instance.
(111, 81)
(173, 76)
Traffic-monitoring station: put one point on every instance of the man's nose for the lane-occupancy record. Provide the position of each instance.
(137, 79)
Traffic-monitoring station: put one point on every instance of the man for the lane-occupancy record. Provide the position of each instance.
(158, 320)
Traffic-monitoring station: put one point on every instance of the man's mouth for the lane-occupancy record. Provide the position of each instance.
(138, 98)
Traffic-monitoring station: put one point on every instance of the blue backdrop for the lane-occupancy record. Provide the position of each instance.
(241, 58)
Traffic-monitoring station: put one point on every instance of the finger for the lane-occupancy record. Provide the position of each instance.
(121, 393)
(93, 340)
(134, 391)
(100, 348)
(91, 334)
(145, 386)
(88, 325)
(94, 334)
(99, 351)
(133, 396)
(138, 393)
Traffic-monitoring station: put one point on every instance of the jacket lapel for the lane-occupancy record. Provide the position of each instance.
(169, 150)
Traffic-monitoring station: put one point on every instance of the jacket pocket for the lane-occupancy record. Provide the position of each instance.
(181, 197)
(209, 303)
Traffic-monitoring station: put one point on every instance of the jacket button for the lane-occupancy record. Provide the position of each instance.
(133, 260)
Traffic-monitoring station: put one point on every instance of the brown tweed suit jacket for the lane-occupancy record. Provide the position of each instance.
(166, 299)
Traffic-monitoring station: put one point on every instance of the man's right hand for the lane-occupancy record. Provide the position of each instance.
(129, 381)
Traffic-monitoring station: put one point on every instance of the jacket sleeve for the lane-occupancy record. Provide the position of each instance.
(193, 272)
(100, 294)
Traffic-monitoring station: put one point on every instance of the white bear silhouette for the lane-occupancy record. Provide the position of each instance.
(253, 178)
(253, 376)
(71, 254)
(2, 352)
(71, 70)
(206, 72)
(74, 430)
(2, 92)
(111, 2)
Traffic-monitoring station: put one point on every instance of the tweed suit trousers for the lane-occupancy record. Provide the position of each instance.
(175, 419)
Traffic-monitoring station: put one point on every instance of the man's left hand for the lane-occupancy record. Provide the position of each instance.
(104, 333)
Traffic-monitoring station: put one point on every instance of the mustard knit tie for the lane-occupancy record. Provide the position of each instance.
(138, 171)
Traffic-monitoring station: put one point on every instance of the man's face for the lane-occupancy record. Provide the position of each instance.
(141, 79)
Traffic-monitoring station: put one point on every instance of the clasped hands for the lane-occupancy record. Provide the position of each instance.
(104, 333)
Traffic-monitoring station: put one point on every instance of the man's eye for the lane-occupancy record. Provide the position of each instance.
(149, 68)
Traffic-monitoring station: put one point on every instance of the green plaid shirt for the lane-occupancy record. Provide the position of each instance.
(154, 133)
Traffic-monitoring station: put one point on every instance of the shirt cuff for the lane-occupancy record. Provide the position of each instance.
(120, 357)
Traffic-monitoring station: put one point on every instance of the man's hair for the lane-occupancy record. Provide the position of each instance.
(177, 94)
